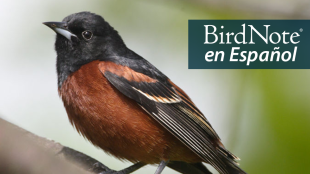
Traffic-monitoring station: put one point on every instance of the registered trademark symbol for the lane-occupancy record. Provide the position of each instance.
(301, 30)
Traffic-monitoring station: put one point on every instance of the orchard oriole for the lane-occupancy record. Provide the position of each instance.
(126, 106)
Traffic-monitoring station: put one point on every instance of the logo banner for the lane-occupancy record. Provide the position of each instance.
(249, 44)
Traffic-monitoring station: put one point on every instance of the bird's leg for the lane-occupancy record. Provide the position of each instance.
(161, 166)
(105, 170)
(93, 165)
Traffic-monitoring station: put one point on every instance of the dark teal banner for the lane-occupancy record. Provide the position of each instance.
(249, 44)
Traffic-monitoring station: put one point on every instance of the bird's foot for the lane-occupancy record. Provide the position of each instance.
(102, 169)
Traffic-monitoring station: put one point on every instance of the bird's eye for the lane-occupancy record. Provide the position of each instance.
(87, 35)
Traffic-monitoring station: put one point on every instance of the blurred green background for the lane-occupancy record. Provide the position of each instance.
(262, 116)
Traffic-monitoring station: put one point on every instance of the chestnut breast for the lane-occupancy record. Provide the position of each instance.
(116, 123)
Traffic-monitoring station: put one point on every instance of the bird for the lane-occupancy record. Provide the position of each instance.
(124, 105)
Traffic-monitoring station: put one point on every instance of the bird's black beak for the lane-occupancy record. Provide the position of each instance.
(60, 28)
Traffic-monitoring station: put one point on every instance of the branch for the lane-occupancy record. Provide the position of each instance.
(25, 153)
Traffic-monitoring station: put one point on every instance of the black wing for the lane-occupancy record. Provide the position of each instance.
(172, 108)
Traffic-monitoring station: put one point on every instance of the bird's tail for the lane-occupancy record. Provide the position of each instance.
(188, 168)
(230, 160)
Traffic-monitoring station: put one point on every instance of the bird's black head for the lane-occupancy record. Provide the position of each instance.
(81, 38)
